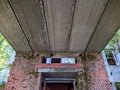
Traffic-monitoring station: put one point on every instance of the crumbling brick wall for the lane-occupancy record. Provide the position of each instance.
(94, 76)
(22, 74)
(23, 77)
(99, 77)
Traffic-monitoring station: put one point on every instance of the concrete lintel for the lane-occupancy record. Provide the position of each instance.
(59, 79)
(59, 70)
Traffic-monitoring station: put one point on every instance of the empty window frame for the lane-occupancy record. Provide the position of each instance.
(68, 60)
(50, 60)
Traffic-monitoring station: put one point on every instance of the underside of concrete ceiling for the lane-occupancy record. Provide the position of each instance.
(59, 25)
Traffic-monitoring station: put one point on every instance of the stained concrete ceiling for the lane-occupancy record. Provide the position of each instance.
(59, 25)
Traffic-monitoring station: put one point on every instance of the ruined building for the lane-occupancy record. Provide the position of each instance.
(58, 42)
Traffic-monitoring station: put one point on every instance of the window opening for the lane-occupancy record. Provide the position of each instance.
(68, 60)
(56, 60)
(110, 59)
(49, 60)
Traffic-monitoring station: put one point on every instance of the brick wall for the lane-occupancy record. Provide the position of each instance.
(22, 75)
(97, 78)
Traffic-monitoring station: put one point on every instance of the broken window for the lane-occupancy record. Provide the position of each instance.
(68, 60)
(56, 60)
(111, 60)
(50, 60)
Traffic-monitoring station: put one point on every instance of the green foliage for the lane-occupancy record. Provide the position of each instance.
(114, 43)
(2, 85)
(5, 53)
(118, 86)
(2, 64)
(4, 56)
(9, 65)
(4, 45)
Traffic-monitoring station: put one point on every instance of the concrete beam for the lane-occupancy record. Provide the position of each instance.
(108, 25)
(87, 14)
(10, 28)
(30, 16)
(59, 18)
(59, 70)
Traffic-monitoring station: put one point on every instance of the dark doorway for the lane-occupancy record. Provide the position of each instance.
(110, 58)
(111, 61)
(59, 86)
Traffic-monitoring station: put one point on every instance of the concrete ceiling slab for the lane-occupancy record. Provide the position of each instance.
(10, 28)
(59, 16)
(108, 25)
(87, 15)
(59, 25)
(29, 14)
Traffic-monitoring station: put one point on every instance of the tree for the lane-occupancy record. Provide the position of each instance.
(114, 43)
(5, 54)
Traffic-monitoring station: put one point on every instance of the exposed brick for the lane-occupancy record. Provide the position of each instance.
(99, 78)
(22, 75)
(56, 65)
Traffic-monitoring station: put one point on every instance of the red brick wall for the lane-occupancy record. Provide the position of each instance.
(99, 78)
(22, 76)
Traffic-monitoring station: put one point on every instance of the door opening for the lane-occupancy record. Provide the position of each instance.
(59, 86)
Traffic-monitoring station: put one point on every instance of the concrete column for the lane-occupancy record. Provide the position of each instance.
(79, 81)
(39, 84)
(116, 55)
(74, 85)
(44, 85)
(114, 86)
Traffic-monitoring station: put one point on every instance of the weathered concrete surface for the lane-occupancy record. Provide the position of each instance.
(59, 19)
(10, 28)
(30, 16)
(59, 25)
(87, 15)
(109, 23)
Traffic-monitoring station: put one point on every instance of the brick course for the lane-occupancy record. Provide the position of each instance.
(98, 74)
(56, 65)
(22, 76)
